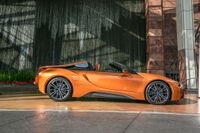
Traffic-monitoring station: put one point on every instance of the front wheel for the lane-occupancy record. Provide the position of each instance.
(59, 89)
(157, 92)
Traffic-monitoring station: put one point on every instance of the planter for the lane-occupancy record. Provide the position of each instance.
(17, 82)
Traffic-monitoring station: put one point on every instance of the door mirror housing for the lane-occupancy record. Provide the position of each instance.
(125, 70)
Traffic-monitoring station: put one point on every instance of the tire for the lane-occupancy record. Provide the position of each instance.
(59, 89)
(158, 92)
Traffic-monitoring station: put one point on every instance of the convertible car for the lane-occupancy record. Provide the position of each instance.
(78, 79)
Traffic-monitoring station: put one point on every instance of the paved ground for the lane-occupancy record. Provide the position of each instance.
(96, 122)
(190, 104)
(37, 113)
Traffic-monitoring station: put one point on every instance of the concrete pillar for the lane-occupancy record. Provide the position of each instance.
(185, 37)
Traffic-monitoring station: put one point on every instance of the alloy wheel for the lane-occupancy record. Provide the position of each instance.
(157, 92)
(59, 89)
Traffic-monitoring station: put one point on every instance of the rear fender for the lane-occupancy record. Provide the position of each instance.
(45, 76)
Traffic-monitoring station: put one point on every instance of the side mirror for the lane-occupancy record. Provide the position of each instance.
(125, 72)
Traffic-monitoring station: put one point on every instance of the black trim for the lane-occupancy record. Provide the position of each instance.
(107, 95)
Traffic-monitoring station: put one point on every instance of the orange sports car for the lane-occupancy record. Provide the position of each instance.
(62, 82)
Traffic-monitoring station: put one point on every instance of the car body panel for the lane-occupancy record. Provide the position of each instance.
(114, 81)
(85, 82)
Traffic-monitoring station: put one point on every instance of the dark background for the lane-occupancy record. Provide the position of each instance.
(34, 33)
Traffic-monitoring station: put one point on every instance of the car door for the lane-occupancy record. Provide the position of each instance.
(115, 81)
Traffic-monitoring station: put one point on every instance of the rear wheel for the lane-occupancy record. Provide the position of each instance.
(59, 89)
(158, 92)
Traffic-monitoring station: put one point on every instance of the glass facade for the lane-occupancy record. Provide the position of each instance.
(34, 33)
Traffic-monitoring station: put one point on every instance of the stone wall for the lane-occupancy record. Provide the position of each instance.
(196, 7)
(170, 39)
(161, 37)
(163, 54)
(154, 30)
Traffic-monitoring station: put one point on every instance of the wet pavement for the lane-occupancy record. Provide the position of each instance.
(96, 122)
(190, 104)
(39, 114)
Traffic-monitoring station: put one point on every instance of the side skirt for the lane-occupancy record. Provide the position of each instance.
(107, 95)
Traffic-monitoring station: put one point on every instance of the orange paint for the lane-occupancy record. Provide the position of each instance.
(124, 83)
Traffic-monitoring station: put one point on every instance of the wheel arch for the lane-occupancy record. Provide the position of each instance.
(55, 76)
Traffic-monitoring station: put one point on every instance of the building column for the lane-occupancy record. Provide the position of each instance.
(185, 37)
(199, 77)
(154, 29)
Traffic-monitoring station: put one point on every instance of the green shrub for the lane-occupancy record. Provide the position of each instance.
(17, 76)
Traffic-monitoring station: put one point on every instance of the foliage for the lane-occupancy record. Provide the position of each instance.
(8, 76)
